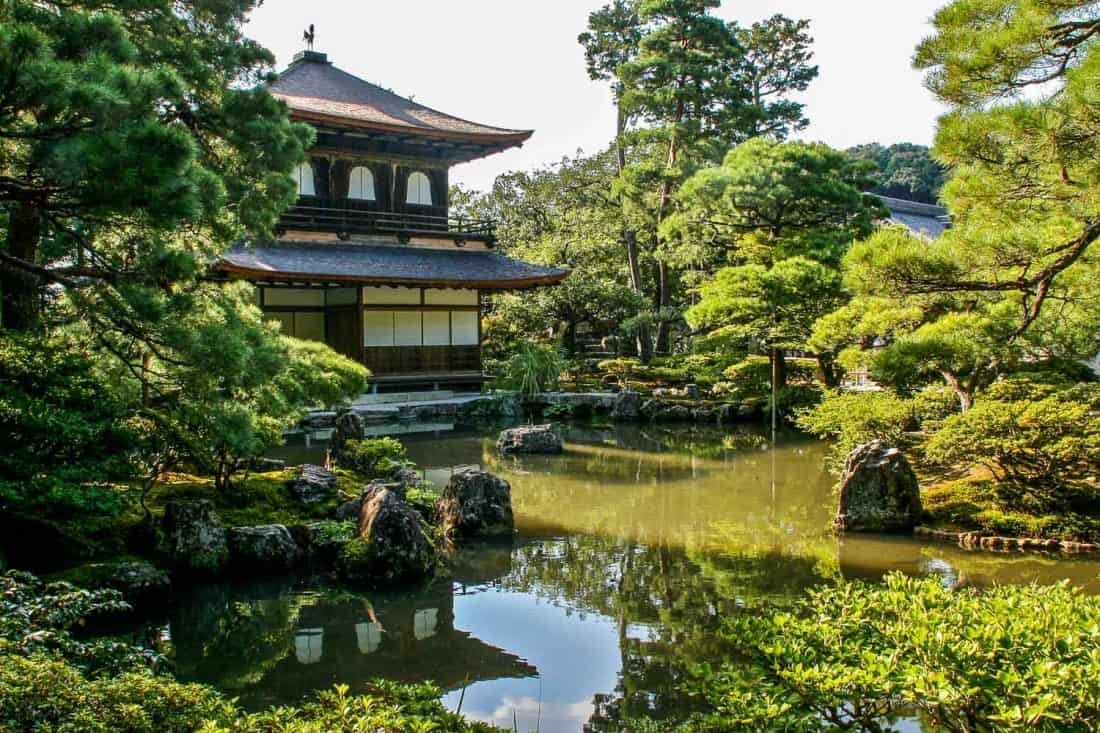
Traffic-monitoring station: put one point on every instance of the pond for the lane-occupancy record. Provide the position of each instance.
(631, 548)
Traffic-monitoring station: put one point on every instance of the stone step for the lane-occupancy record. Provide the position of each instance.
(397, 398)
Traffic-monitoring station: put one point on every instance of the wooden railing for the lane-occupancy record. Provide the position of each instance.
(383, 360)
(350, 217)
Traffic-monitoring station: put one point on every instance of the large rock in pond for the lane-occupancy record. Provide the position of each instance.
(878, 492)
(349, 426)
(530, 439)
(391, 548)
(266, 548)
(315, 485)
(350, 509)
(475, 503)
(192, 539)
(627, 406)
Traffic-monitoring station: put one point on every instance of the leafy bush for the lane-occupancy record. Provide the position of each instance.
(385, 707)
(857, 656)
(333, 532)
(44, 694)
(64, 434)
(533, 369)
(373, 457)
(36, 618)
(1040, 441)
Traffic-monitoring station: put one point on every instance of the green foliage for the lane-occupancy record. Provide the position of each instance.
(65, 436)
(373, 457)
(533, 369)
(1039, 440)
(1012, 281)
(145, 144)
(149, 121)
(36, 618)
(859, 656)
(905, 171)
(975, 504)
(774, 306)
(44, 694)
(621, 369)
(385, 707)
(770, 201)
(333, 532)
(231, 385)
(853, 418)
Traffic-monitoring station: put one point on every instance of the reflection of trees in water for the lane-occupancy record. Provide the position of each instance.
(668, 603)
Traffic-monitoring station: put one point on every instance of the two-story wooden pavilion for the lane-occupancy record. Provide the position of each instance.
(370, 260)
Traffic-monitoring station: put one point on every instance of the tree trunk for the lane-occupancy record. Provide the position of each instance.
(629, 236)
(664, 300)
(779, 369)
(830, 374)
(20, 289)
(965, 397)
(664, 290)
(569, 339)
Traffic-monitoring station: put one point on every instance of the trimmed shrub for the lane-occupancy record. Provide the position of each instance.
(373, 457)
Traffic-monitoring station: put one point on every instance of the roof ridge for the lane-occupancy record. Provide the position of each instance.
(385, 97)
(915, 207)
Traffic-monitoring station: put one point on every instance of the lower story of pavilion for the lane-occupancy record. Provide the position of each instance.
(406, 336)
(410, 315)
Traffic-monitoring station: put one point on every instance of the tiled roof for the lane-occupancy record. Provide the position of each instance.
(385, 263)
(926, 220)
(312, 86)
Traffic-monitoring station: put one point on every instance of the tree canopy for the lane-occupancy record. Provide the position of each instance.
(905, 171)
(1010, 282)
(139, 142)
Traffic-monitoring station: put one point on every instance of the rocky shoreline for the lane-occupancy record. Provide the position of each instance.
(625, 406)
(970, 540)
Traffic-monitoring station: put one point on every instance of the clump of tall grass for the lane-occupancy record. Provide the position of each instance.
(533, 369)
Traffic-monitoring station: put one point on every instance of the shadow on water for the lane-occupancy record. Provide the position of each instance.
(631, 548)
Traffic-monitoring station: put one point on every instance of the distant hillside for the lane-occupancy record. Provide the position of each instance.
(906, 171)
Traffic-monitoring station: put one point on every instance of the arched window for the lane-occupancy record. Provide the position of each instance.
(420, 190)
(361, 184)
(303, 176)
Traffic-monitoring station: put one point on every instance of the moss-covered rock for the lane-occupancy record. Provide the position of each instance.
(392, 547)
(193, 540)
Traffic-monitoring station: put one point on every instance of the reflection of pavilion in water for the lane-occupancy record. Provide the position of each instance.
(401, 638)
(345, 637)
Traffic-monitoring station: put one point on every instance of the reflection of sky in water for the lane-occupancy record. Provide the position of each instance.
(575, 654)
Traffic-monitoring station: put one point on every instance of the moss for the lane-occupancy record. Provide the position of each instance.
(971, 504)
(422, 499)
(261, 498)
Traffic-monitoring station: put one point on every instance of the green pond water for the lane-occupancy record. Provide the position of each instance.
(631, 548)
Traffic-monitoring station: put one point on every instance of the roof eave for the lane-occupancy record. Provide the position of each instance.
(506, 139)
(249, 273)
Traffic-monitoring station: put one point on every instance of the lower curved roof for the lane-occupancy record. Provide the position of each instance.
(384, 264)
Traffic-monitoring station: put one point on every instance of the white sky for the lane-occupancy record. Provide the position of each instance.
(516, 63)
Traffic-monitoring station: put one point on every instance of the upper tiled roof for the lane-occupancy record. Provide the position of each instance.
(925, 220)
(313, 87)
(385, 263)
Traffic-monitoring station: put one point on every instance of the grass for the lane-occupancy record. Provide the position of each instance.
(971, 504)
